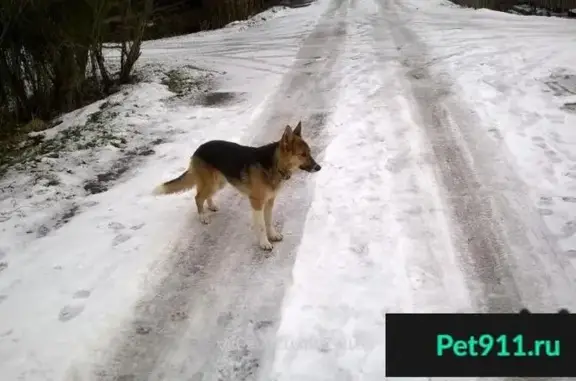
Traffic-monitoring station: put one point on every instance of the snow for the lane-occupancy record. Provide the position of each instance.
(88, 256)
(518, 75)
(259, 18)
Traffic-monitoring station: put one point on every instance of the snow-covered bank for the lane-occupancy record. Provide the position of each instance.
(260, 18)
(82, 279)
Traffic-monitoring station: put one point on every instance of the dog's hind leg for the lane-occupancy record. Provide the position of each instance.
(207, 184)
(206, 190)
(219, 183)
(211, 205)
(273, 235)
(205, 193)
(202, 195)
(259, 223)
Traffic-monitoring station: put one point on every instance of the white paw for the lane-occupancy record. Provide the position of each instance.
(204, 219)
(266, 245)
(213, 208)
(274, 236)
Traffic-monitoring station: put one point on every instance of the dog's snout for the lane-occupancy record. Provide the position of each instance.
(311, 167)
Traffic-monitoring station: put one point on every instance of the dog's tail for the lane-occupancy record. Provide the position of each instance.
(181, 183)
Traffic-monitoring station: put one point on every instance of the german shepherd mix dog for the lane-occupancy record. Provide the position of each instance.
(257, 172)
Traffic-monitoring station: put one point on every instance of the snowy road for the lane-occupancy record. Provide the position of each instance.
(228, 290)
(485, 202)
(425, 203)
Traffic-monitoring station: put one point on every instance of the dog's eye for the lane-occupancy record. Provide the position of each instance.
(304, 154)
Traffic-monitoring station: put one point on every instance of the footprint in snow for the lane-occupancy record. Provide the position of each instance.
(262, 324)
(7, 333)
(552, 156)
(120, 238)
(545, 212)
(116, 225)
(569, 228)
(137, 227)
(68, 313)
(126, 377)
(546, 200)
(81, 294)
(71, 311)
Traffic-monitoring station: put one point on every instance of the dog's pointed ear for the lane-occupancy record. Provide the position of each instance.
(286, 139)
(298, 129)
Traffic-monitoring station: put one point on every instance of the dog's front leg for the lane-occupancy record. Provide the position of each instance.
(259, 223)
(273, 235)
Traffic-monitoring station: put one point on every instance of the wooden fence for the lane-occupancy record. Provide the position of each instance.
(489, 4)
(554, 5)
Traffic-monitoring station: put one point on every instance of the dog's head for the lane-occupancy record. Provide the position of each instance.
(295, 152)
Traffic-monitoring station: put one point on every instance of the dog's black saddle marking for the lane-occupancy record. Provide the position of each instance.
(233, 159)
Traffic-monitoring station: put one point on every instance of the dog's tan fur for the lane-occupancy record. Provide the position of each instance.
(259, 181)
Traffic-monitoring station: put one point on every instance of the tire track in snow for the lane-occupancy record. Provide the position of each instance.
(507, 258)
(479, 242)
(213, 314)
(427, 265)
(305, 94)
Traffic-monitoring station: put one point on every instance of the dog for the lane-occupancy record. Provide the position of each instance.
(256, 172)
